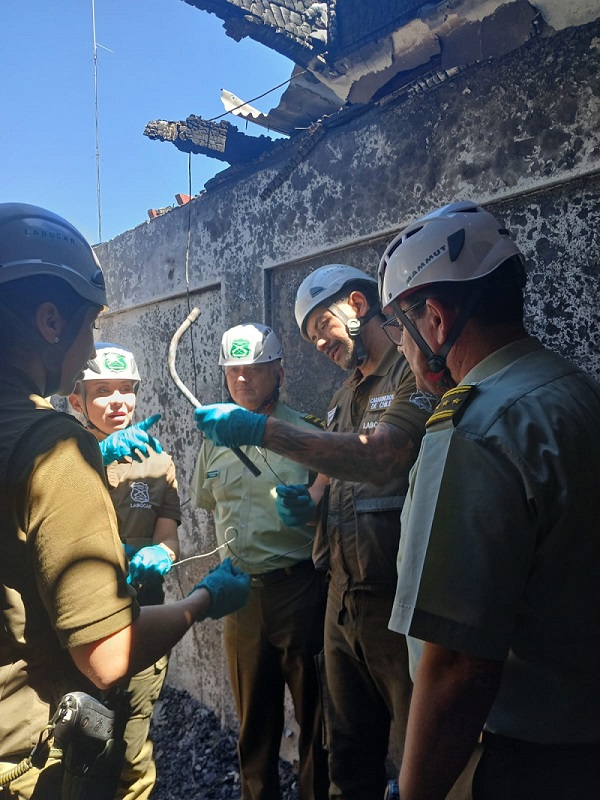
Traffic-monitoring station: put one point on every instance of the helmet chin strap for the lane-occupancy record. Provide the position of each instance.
(436, 362)
(269, 401)
(353, 327)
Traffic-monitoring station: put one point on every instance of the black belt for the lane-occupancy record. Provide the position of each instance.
(278, 575)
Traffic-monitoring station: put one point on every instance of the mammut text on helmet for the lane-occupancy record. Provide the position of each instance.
(426, 261)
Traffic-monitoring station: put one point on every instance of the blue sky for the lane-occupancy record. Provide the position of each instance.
(168, 60)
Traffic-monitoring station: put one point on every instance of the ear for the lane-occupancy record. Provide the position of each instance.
(76, 404)
(280, 373)
(358, 302)
(50, 322)
(440, 319)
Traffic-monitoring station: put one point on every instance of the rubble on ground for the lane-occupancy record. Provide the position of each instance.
(195, 758)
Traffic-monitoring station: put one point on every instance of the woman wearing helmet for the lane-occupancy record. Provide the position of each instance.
(69, 620)
(144, 494)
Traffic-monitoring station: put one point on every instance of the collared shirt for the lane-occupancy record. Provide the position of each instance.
(243, 505)
(363, 523)
(500, 553)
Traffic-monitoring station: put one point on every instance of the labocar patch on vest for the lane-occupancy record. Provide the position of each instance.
(140, 495)
(452, 405)
(213, 473)
(380, 402)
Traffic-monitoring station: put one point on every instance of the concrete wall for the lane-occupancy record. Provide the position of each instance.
(520, 135)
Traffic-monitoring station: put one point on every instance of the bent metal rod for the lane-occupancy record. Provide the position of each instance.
(189, 320)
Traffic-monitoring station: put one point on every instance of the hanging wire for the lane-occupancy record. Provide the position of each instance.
(96, 119)
(187, 269)
(258, 97)
(264, 458)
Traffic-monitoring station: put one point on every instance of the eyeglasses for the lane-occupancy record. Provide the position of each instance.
(393, 328)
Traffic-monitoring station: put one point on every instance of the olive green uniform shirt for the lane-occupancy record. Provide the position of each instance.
(62, 565)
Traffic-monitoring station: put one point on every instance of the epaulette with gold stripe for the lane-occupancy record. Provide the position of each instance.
(452, 405)
(316, 421)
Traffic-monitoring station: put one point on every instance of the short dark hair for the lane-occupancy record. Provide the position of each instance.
(24, 296)
(501, 298)
(367, 288)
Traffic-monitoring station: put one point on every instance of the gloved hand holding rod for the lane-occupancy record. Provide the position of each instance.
(189, 320)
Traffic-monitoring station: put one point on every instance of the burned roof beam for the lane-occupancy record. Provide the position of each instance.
(219, 140)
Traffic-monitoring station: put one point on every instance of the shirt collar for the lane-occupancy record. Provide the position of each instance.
(502, 358)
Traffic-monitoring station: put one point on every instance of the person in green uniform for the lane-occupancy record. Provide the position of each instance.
(69, 620)
(273, 640)
(374, 425)
(145, 497)
(499, 561)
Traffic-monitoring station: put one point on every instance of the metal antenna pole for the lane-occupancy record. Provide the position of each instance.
(96, 116)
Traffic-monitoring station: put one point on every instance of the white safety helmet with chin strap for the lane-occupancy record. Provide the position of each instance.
(249, 343)
(112, 362)
(35, 242)
(322, 288)
(459, 242)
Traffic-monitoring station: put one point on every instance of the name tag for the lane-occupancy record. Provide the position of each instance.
(213, 473)
(331, 415)
(379, 402)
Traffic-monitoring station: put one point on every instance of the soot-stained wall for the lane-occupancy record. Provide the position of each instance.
(520, 135)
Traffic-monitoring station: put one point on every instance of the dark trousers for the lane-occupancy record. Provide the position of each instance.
(272, 642)
(511, 769)
(367, 686)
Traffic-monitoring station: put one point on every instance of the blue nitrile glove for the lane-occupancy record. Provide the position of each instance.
(130, 550)
(228, 425)
(228, 588)
(294, 504)
(126, 442)
(148, 566)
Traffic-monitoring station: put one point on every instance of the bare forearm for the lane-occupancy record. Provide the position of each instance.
(346, 456)
(136, 647)
(451, 699)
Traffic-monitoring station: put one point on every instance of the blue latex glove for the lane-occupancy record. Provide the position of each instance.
(228, 588)
(228, 425)
(294, 504)
(130, 550)
(126, 442)
(148, 566)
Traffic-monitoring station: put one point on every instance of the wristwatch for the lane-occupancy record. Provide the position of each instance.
(392, 791)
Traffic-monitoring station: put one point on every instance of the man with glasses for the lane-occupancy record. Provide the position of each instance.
(498, 566)
(375, 423)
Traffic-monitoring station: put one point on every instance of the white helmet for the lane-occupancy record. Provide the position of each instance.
(112, 362)
(458, 242)
(320, 286)
(249, 343)
(34, 242)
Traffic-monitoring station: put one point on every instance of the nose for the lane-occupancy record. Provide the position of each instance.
(117, 398)
(321, 344)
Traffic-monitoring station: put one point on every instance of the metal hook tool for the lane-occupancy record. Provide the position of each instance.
(189, 320)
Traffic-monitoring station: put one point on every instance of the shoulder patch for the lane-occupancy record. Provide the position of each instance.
(316, 421)
(452, 405)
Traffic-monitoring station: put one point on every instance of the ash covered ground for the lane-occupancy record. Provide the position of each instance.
(195, 758)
